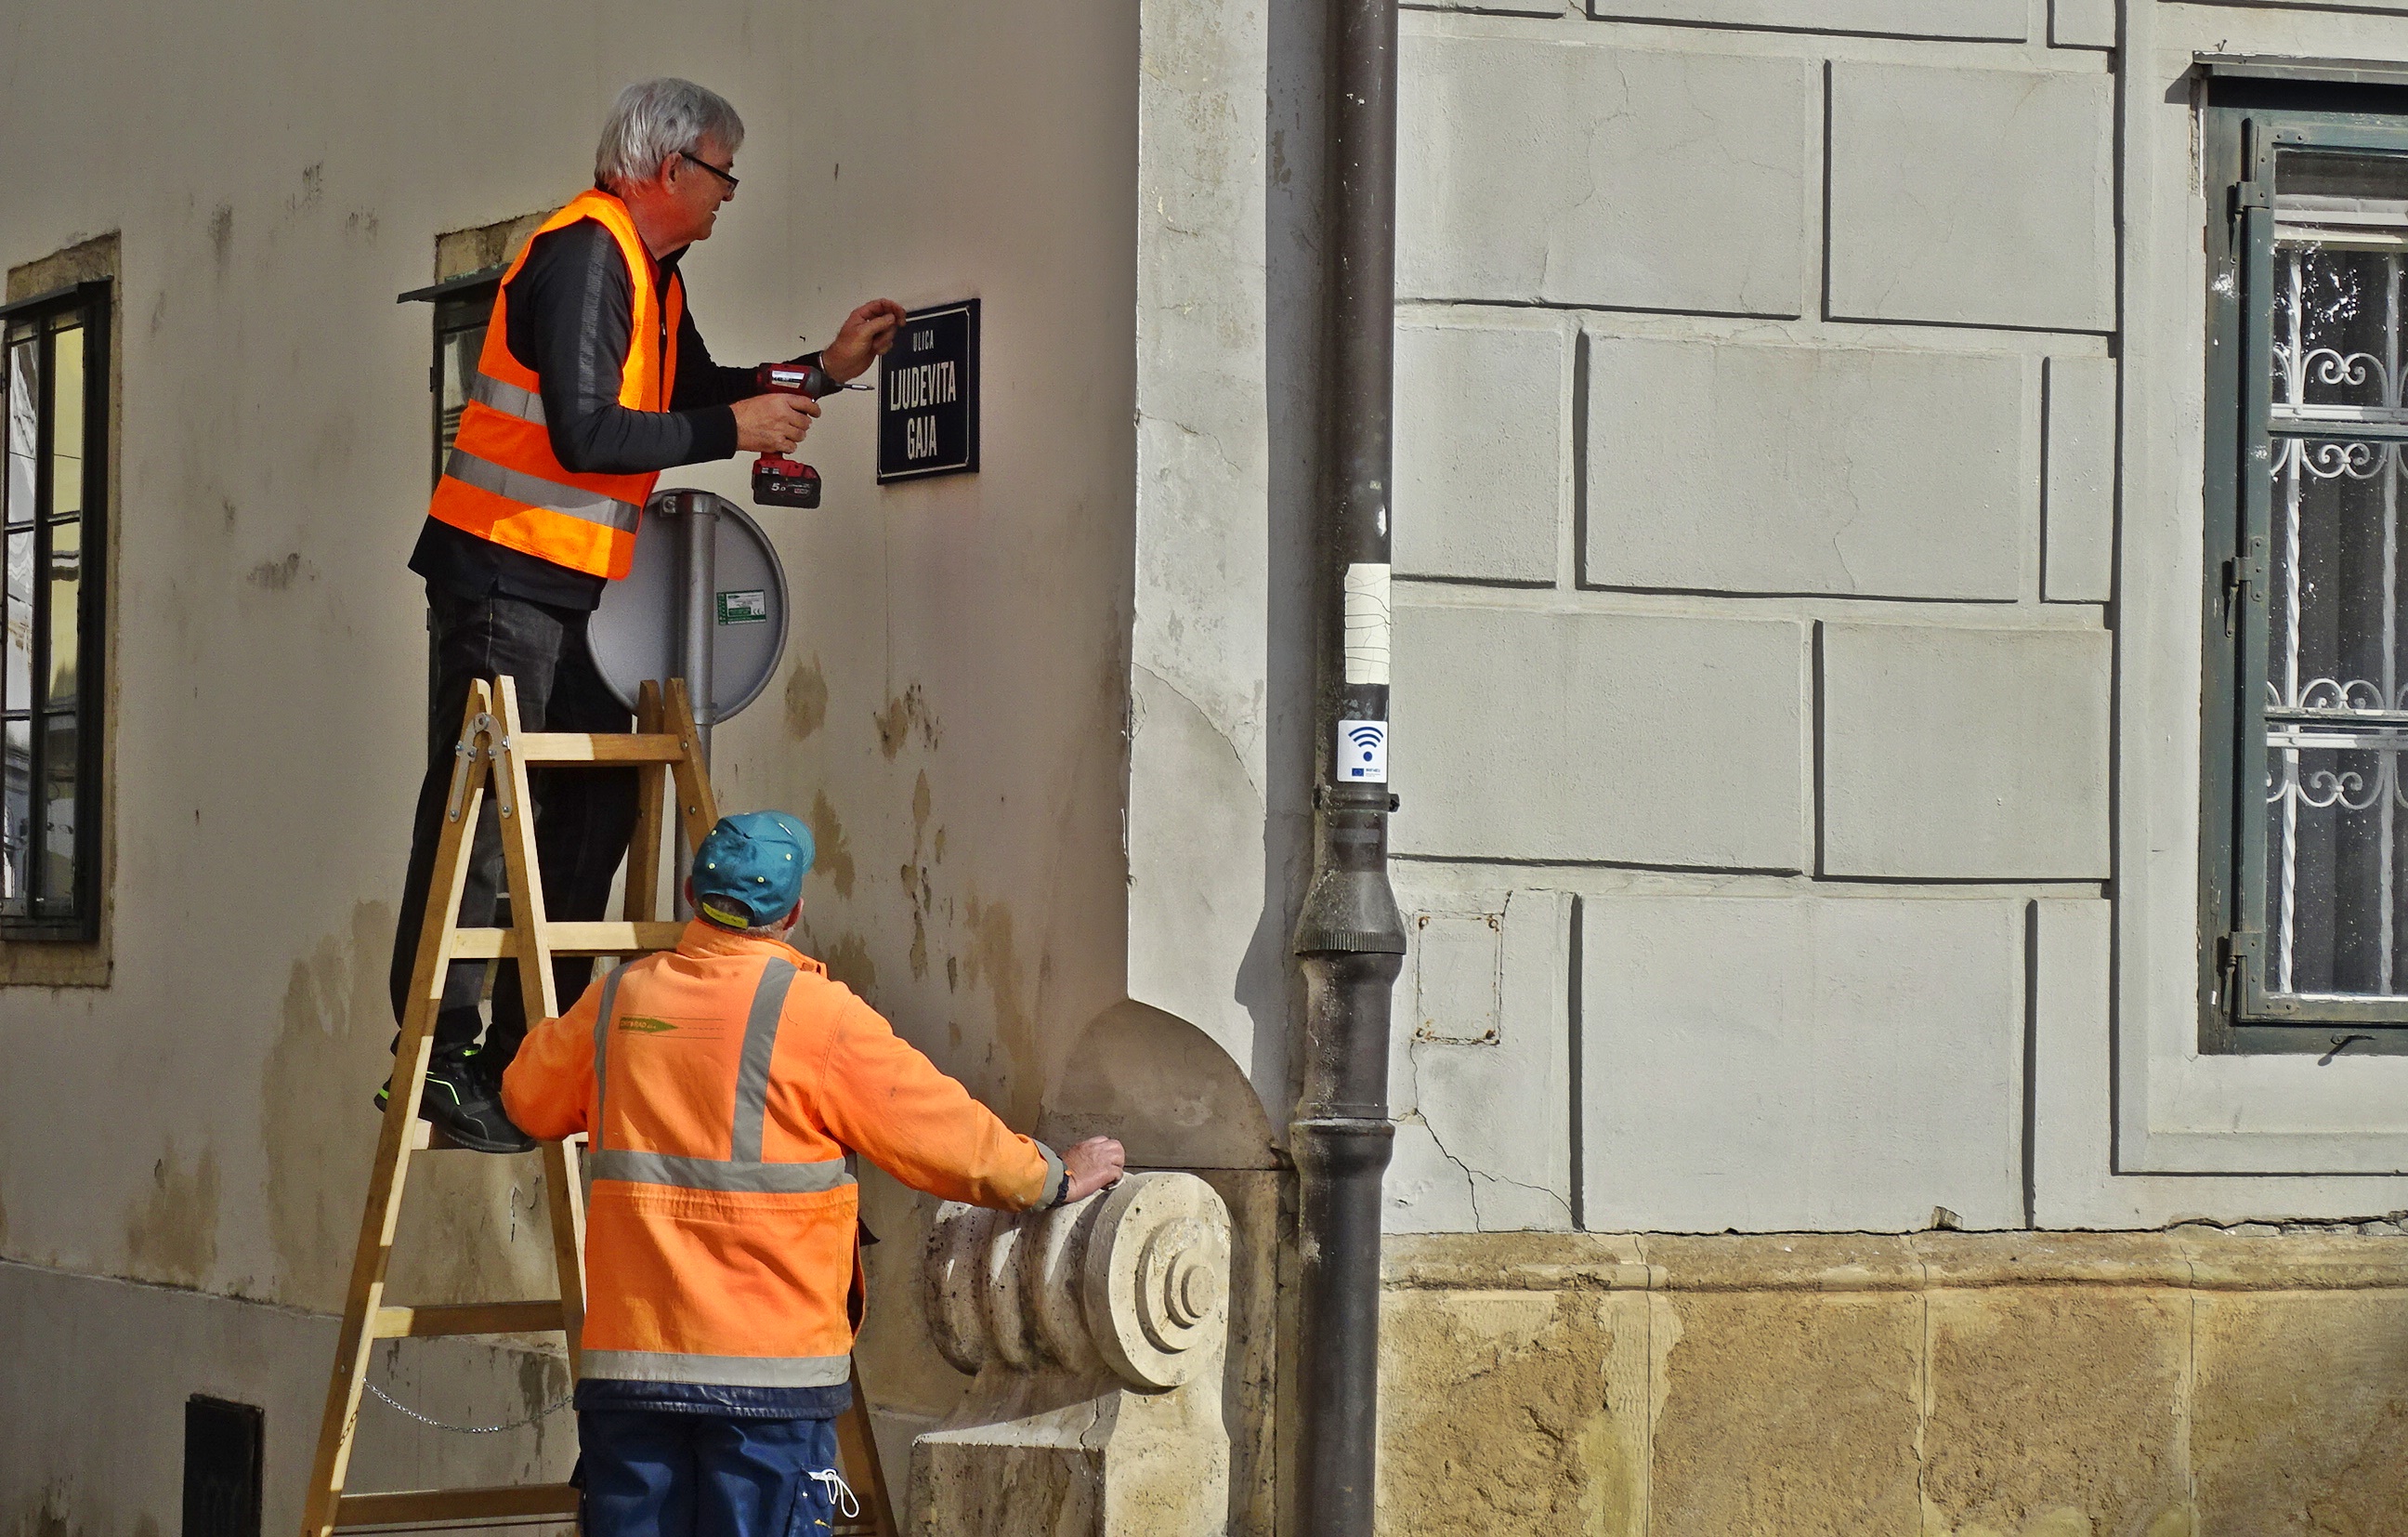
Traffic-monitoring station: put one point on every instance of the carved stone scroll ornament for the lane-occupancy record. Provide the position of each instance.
(1097, 1334)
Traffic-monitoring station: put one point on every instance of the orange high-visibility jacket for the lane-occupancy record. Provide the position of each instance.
(725, 1085)
(502, 480)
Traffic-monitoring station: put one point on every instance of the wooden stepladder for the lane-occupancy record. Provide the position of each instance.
(492, 758)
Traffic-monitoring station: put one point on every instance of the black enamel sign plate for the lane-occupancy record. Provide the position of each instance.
(927, 395)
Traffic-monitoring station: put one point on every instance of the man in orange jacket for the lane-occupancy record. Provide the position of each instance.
(591, 380)
(726, 1087)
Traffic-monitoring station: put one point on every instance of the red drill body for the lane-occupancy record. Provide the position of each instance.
(778, 481)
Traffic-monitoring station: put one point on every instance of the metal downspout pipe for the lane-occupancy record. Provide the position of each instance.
(1350, 938)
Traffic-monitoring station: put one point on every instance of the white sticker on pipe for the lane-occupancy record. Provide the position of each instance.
(1363, 751)
(1367, 624)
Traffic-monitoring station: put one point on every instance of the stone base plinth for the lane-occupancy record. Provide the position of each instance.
(2190, 1383)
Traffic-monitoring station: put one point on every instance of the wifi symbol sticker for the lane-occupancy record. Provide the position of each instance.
(1363, 751)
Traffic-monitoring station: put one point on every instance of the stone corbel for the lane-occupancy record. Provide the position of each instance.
(1096, 1333)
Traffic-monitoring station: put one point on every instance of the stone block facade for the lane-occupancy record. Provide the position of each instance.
(1870, 473)
(1602, 176)
(2190, 1383)
(1753, 604)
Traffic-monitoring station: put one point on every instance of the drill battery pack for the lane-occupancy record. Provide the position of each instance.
(780, 482)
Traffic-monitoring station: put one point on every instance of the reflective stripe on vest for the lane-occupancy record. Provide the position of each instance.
(518, 486)
(719, 1370)
(742, 1169)
(503, 481)
(508, 398)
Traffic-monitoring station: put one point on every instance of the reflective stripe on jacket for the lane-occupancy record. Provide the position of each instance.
(735, 1083)
(502, 480)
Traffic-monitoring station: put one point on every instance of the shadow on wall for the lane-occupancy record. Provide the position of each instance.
(1165, 1088)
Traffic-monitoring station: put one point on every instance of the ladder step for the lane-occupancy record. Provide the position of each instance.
(566, 938)
(416, 1506)
(532, 1317)
(567, 747)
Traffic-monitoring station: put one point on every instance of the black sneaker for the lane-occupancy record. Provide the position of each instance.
(465, 1103)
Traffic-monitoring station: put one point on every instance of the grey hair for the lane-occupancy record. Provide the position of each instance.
(653, 120)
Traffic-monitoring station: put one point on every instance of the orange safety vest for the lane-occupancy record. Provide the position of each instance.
(502, 480)
(726, 1086)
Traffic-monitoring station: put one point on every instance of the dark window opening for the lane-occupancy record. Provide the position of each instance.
(462, 307)
(224, 1456)
(54, 403)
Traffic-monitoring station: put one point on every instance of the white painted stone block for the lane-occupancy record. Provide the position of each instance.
(2082, 23)
(1482, 1058)
(1650, 741)
(1424, 1191)
(2081, 497)
(1742, 468)
(1779, 1063)
(1973, 196)
(1987, 21)
(1963, 754)
(1483, 450)
(1567, 173)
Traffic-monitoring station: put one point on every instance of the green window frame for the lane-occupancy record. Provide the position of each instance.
(2304, 823)
(54, 382)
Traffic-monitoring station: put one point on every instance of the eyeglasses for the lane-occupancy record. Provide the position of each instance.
(709, 167)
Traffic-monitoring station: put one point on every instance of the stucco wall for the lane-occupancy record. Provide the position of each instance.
(950, 716)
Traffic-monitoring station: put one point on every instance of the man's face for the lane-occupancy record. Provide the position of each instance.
(696, 190)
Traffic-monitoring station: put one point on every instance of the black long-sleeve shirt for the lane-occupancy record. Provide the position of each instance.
(571, 313)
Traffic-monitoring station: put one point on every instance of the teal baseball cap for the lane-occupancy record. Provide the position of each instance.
(749, 871)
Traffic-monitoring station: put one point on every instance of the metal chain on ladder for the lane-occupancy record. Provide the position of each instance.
(549, 1410)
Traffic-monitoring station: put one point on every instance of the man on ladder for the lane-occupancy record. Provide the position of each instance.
(593, 380)
(725, 1087)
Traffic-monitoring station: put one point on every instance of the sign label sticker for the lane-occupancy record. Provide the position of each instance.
(744, 608)
(927, 395)
(1363, 751)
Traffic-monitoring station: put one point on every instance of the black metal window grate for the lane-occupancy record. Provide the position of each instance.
(224, 1451)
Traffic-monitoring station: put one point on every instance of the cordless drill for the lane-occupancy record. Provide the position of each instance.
(778, 481)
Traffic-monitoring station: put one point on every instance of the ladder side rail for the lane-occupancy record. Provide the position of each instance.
(381, 1212)
(651, 784)
(857, 1450)
(540, 996)
(697, 806)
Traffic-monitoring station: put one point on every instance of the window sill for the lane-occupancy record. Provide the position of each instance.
(54, 963)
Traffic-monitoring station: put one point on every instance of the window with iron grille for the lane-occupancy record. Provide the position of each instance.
(54, 400)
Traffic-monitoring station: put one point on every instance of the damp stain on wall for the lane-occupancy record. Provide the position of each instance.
(834, 856)
(847, 959)
(807, 700)
(908, 715)
(317, 1112)
(278, 576)
(171, 1230)
(993, 962)
(919, 886)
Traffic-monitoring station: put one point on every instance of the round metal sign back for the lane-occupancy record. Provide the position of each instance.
(634, 634)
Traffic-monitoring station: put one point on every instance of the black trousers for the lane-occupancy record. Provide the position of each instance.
(583, 817)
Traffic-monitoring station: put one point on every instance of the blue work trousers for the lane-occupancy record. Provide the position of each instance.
(652, 1474)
